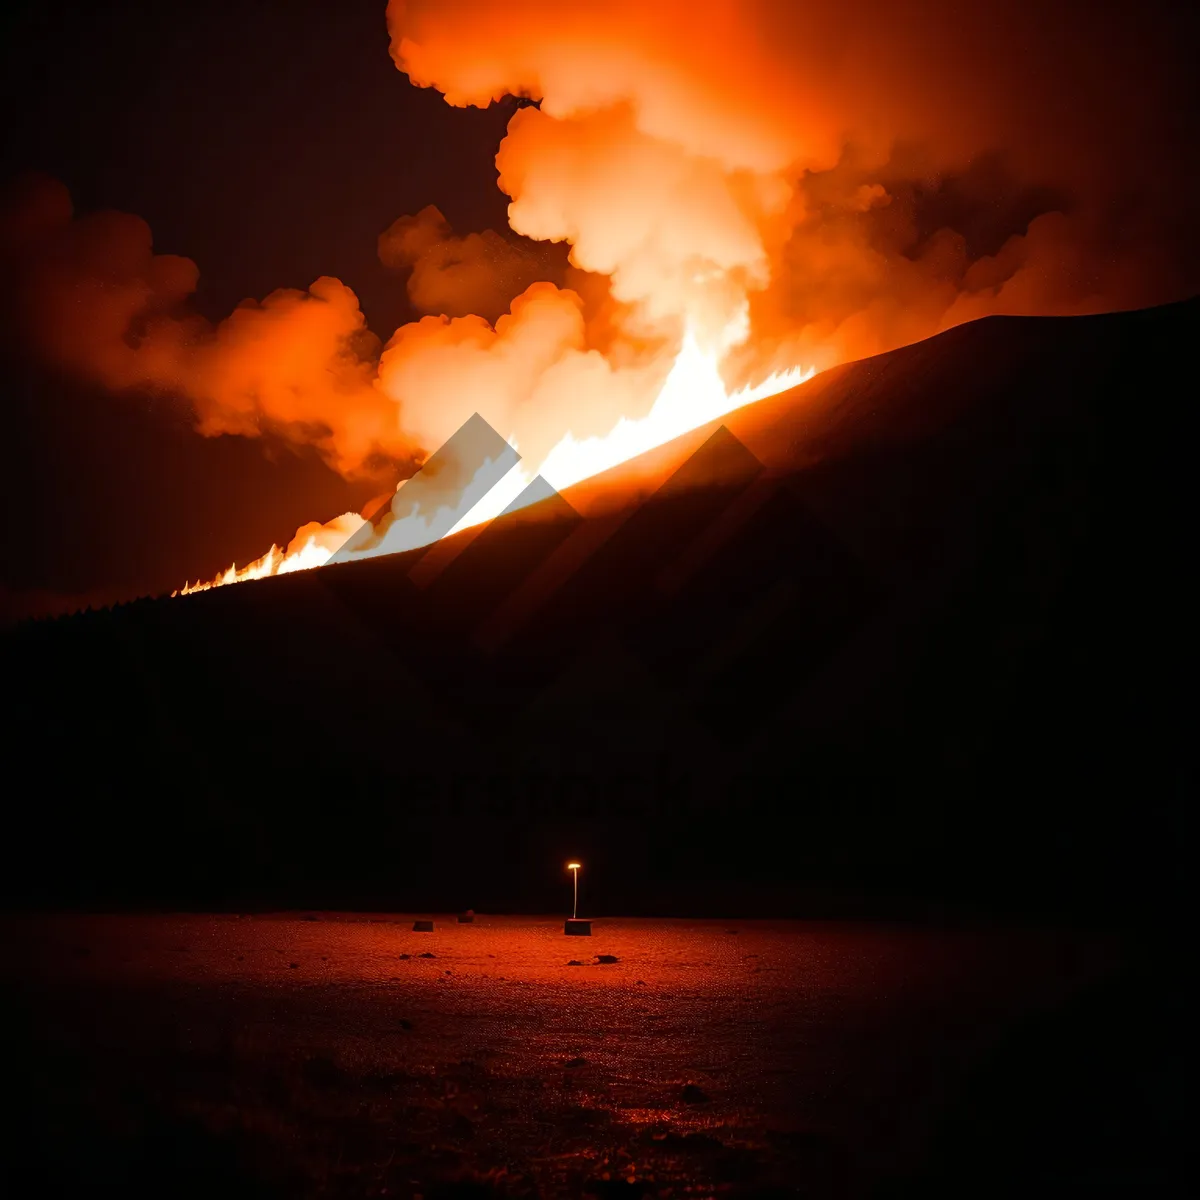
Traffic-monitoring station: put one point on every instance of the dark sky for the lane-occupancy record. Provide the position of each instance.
(270, 144)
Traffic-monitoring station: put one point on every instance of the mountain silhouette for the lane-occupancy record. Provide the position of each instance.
(909, 637)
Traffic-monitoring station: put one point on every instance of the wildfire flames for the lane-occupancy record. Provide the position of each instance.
(750, 190)
(312, 546)
(693, 394)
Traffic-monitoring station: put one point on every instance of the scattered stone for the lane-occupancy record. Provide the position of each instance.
(574, 962)
(406, 956)
(731, 931)
(422, 927)
(446, 972)
(575, 1062)
(310, 917)
(404, 1023)
(293, 966)
(426, 954)
(641, 983)
(607, 958)
(691, 1094)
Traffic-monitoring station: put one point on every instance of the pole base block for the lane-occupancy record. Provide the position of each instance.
(578, 928)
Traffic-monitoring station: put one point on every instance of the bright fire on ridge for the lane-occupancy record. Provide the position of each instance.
(692, 395)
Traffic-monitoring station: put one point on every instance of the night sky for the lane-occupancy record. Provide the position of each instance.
(271, 144)
(232, 132)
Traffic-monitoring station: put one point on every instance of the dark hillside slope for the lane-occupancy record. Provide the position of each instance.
(911, 636)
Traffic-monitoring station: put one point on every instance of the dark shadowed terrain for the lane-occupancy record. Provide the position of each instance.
(325, 1055)
(909, 639)
(909, 643)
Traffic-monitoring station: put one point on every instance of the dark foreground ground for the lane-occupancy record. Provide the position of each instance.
(322, 1055)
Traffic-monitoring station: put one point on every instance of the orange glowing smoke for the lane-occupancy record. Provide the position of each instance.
(751, 190)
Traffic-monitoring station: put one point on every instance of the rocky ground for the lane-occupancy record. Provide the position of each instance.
(347, 1055)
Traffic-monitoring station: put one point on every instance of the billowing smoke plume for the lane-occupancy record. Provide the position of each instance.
(798, 184)
(448, 275)
(863, 174)
(94, 297)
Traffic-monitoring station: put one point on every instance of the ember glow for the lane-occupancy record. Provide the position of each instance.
(692, 395)
(311, 547)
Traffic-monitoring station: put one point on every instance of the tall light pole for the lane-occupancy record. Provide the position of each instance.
(574, 867)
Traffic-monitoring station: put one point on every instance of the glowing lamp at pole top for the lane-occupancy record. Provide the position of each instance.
(573, 867)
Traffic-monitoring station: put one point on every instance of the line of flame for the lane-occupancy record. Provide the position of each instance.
(692, 395)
